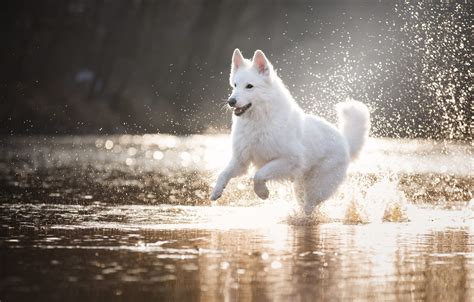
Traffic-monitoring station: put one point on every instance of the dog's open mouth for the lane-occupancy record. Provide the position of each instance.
(238, 111)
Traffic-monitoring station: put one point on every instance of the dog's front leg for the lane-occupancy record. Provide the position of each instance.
(234, 168)
(273, 170)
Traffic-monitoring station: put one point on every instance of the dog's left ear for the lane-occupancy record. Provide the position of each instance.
(261, 63)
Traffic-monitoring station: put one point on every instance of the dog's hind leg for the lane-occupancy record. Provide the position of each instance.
(321, 183)
(299, 192)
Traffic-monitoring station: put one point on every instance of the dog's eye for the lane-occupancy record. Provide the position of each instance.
(235, 84)
(249, 86)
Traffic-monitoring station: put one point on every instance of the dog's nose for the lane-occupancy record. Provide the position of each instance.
(232, 102)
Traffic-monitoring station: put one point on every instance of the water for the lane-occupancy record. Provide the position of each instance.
(128, 217)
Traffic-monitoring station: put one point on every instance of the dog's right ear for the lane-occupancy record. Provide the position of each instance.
(237, 60)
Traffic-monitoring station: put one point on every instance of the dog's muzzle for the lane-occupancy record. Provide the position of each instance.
(238, 111)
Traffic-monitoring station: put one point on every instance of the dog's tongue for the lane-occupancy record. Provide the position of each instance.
(238, 110)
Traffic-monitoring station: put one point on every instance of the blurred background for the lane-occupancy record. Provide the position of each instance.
(121, 66)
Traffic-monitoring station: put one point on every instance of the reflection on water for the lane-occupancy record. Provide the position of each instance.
(89, 218)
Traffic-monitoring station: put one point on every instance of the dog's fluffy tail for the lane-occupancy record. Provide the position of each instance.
(354, 124)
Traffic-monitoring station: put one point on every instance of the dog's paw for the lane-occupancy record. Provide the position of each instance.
(261, 190)
(216, 194)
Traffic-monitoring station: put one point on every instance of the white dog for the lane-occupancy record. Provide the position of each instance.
(271, 131)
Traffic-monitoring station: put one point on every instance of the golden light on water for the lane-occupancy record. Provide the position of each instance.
(359, 200)
(395, 226)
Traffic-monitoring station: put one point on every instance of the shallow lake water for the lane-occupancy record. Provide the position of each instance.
(128, 218)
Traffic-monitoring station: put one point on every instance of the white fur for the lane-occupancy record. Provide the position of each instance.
(283, 142)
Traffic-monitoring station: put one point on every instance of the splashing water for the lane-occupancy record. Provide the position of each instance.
(390, 176)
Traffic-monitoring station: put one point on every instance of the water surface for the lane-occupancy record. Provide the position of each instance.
(128, 217)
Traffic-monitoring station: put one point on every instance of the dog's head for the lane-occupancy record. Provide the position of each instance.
(250, 81)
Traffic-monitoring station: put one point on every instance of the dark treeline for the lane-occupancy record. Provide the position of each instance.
(120, 66)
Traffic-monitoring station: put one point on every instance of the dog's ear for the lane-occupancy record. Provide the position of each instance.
(261, 63)
(237, 59)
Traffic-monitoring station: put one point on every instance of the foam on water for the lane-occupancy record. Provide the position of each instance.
(360, 202)
(357, 202)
